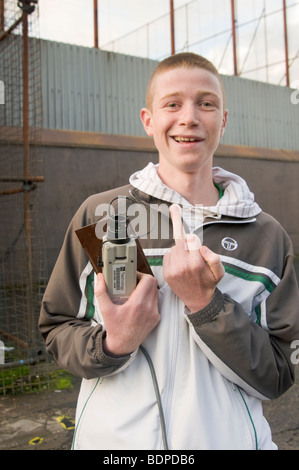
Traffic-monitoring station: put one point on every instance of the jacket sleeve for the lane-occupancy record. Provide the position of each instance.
(256, 357)
(70, 337)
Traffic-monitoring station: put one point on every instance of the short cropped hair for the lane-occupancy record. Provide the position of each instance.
(187, 60)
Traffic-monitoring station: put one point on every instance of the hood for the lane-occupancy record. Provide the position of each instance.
(237, 200)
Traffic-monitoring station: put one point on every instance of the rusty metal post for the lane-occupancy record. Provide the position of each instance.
(2, 15)
(26, 147)
(234, 37)
(286, 48)
(95, 24)
(172, 29)
(25, 95)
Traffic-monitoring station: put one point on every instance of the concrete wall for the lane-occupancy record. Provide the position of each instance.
(73, 174)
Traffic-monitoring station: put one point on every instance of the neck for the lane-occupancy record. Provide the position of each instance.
(196, 187)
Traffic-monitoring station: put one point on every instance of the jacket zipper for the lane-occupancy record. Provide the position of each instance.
(240, 397)
(169, 387)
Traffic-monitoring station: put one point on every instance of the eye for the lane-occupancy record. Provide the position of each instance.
(172, 105)
(209, 104)
(206, 104)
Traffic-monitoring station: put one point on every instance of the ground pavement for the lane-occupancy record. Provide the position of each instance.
(45, 421)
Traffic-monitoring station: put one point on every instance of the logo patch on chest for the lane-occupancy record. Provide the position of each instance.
(229, 244)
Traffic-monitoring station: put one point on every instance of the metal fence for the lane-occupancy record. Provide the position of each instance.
(254, 39)
(22, 277)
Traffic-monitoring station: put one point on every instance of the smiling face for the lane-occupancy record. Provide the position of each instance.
(186, 118)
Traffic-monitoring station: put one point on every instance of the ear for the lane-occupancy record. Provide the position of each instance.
(146, 118)
(224, 122)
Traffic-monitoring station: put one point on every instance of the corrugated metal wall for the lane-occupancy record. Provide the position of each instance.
(86, 89)
(91, 90)
(260, 115)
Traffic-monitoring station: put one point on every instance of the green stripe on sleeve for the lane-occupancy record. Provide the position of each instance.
(249, 276)
(89, 295)
(158, 261)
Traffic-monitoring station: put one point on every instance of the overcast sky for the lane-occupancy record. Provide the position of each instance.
(71, 21)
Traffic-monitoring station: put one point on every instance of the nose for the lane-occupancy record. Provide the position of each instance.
(188, 116)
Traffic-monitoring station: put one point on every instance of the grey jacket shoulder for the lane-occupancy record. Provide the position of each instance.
(270, 225)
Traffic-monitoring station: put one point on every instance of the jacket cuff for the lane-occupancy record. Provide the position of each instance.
(207, 314)
(104, 359)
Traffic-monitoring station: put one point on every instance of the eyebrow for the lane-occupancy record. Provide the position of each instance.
(199, 94)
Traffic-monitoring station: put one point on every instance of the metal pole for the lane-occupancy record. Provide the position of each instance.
(172, 31)
(286, 49)
(25, 96)
(234, 37)
(95, 24)
(27, 211)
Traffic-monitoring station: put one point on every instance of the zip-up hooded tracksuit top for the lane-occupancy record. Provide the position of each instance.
(212, 367)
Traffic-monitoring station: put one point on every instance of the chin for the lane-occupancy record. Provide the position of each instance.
(190, 163)
(192, 167)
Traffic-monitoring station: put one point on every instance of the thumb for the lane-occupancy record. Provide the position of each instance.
(214, 262)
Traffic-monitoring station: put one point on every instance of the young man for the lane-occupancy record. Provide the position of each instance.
(184, 366)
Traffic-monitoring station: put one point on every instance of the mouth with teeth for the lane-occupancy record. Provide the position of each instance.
(180, 139)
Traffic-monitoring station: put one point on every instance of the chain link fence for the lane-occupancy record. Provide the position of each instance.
(24, 365)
